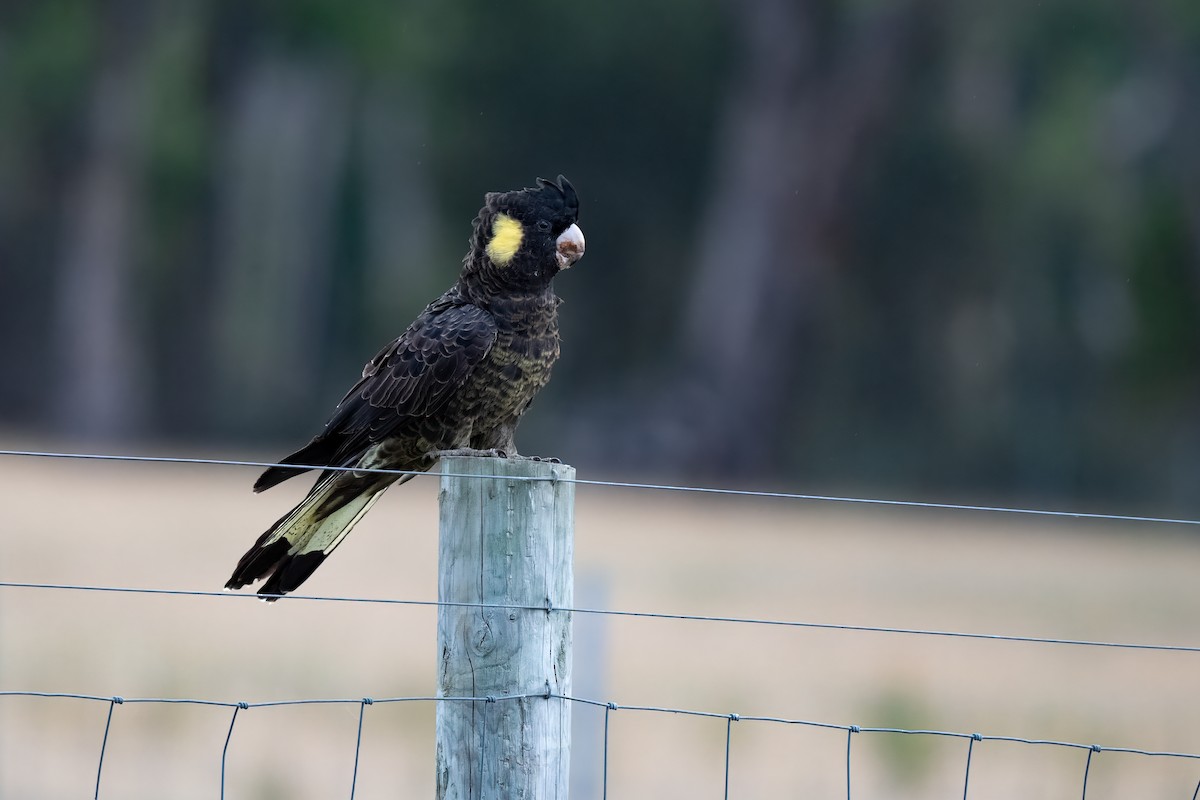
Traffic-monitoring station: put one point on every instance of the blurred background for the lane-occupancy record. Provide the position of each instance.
(908, 248)
(914, 249)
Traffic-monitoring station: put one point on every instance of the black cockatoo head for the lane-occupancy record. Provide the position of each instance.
(522, 239)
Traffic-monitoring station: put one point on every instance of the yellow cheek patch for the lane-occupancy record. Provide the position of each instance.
(507, 234)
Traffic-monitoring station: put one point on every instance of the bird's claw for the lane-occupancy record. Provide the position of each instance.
(543, 459)
(470, 452)
(491, 452)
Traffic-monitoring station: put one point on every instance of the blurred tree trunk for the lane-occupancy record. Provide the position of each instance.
(101, 370)
(402, 272)
(281, 162)
(1178, 52)
(817, 79)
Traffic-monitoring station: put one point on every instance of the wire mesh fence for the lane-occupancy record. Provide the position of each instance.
(731, 724)
(609, 707)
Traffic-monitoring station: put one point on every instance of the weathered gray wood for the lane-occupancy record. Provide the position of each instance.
(508, 542)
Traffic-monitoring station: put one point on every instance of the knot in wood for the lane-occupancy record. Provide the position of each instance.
(482, 640)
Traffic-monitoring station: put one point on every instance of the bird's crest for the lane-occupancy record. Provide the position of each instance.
(551, 199)
(566, 191)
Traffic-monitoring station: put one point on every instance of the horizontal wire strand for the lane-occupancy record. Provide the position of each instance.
(611, 706)
(623, 485)
(615, 613)
(308, 701)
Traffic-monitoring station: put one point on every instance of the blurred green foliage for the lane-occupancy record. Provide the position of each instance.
(1007, 291)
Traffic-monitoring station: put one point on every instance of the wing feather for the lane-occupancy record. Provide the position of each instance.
(417, 374)
(414, 376)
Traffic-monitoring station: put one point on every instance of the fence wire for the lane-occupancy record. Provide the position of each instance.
(609, 707)
(662, 487)
(551, 609)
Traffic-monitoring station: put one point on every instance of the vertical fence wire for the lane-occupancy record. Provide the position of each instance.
(853, 729)
(728, 736)
(115, 701)
(975, 737)
(228, 736)
(362, 708)
(607, 708)
(1087, 767)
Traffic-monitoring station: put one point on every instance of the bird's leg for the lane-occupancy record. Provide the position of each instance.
(500, 441)
(497, 440)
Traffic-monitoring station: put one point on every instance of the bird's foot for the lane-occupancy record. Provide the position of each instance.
(469, 452)
(492, 452)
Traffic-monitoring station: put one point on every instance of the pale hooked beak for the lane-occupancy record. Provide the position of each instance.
(569, 246)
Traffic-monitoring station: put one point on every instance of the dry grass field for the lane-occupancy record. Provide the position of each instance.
(183, 527)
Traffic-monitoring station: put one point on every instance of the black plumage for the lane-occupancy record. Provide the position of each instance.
(458, 379)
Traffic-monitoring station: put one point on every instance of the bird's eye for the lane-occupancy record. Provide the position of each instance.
(543, 226)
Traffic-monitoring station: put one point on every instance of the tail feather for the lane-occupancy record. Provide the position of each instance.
(296, 545)
(315, 453)
(273, 476)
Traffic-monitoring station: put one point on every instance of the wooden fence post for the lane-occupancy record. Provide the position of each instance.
(504, 540)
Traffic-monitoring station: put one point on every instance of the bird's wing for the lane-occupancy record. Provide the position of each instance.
(414, 376)
(417, 374)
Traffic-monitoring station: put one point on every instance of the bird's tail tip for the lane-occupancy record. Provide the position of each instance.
(291, 549)
(273, 476)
